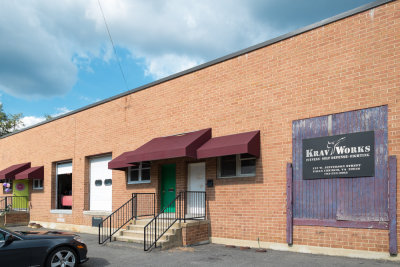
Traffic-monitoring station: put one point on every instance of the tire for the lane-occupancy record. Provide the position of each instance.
(62, 257)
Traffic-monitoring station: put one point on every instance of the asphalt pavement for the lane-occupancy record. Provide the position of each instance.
(125, 254)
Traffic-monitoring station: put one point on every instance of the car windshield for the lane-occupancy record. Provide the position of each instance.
(16, 233)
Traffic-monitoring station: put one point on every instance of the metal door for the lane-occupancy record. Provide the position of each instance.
(168, 186)
(196, 183)
(100, 184)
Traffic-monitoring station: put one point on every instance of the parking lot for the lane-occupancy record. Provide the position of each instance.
(117, 254)
(125, 254)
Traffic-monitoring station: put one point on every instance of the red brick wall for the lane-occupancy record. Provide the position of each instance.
(349, 64)
(16, 218)
(195, 234)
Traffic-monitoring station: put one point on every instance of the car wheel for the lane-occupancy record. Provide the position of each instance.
(62, 257)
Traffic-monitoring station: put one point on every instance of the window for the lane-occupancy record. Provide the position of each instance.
(37, 184)
(64, 185)
(7, 189)
(242, 165)
(140, 173)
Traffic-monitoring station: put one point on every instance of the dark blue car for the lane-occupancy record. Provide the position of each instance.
(40, 248)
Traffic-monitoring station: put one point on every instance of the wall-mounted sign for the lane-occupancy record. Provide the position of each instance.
(345, 155)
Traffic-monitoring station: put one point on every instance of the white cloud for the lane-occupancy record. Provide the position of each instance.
(44, 44)
(28, 121)
(159, 67)
(61, 111)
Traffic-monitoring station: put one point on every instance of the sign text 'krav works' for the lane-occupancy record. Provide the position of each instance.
(346, 155)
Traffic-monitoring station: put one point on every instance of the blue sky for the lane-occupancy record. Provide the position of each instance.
(55, 56)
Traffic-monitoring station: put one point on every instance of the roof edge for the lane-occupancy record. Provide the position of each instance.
(305, 29)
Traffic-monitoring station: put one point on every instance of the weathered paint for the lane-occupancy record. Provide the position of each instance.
(289, 204)
(342, 224)
(392, 205)
(342, 199)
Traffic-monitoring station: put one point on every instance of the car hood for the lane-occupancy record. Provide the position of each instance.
(45, 234)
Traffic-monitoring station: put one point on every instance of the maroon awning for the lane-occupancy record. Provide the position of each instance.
(31, 173)
(231, 144)
(10, 172)
(119, 163)
(174, 146)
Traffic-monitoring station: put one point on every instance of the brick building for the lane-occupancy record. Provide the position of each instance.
(239, 122)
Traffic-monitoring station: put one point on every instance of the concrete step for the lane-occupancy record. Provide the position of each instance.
(141, 227)
(142, 222)
(138, 234)
(134, 234)
(139, 240)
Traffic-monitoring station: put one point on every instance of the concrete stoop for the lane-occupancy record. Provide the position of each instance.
(134, 233)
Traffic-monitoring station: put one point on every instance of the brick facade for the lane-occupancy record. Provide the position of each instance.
(349, 64)
(195, 233)
(14, 219)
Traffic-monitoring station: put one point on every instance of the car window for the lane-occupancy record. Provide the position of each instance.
(2, 236)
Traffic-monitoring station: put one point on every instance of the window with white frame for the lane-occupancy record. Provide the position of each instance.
(139, 173)
(241, 165)
(37, 184)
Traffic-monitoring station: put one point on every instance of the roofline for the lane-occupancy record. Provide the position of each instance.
(218, 60)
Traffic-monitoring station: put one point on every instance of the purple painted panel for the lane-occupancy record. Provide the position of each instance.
(341, 224)
(364, 199)
(289, 204)
(392, 205)
(347, 199)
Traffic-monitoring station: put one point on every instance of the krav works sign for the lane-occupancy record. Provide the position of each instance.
(346, 155)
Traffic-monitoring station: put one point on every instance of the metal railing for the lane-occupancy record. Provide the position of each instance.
(129, 210)
(14, 203)
(160, 224)
(194, 205)
(145, 204)
(187, 205)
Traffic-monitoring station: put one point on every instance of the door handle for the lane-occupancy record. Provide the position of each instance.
(171, 190)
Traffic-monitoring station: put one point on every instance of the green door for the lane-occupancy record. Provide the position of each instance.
(20, 191)
(168, 186)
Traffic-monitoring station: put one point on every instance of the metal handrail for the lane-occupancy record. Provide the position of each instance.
(2, 204)
(121, 216)
(195, 205)
(162, 222)
(14, 203)
(189, 205)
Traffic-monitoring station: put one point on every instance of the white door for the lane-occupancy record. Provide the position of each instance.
(100, 184)
(196, 184)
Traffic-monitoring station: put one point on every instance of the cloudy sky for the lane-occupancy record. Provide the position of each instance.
(56, 56)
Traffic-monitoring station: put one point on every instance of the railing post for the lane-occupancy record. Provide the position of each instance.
(99, 232)
(180, 206)
(154, 204)
(134, 209)
(110, 229)
(155, 232)
(184, 207)
(205, 205)
(5, 207)
(144, 239)
(132, 203)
